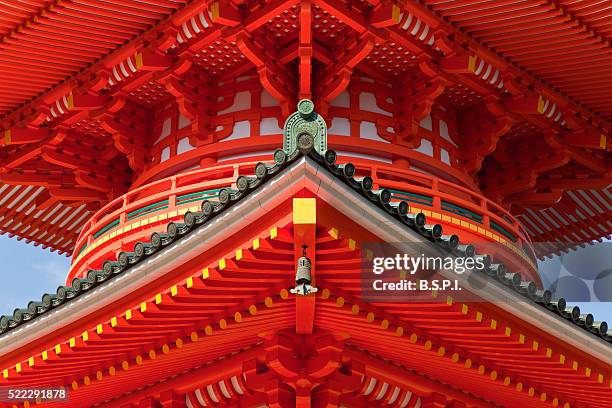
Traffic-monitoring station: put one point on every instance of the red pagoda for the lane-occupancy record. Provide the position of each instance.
(215, 170)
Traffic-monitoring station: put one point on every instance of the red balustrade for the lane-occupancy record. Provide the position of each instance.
(167, 189)
(440, 191)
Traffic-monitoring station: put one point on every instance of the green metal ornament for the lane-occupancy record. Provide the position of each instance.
(305, 130)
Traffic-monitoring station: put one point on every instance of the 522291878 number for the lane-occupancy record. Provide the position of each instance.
(14, 394)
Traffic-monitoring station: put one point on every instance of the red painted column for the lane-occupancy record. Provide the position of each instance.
(305, 48)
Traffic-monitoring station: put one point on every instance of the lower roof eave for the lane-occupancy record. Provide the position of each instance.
(304, 173)
(234, 219)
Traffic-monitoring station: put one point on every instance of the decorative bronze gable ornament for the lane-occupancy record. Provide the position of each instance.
(305, 130)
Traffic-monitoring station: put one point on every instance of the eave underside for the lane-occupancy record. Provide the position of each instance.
(232, 317)
(125, 53)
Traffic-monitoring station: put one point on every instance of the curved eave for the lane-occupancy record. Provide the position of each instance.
(66, 37)
(580, 217)
(332, 189)
(503, 318)
(28, 213)
(566, 44)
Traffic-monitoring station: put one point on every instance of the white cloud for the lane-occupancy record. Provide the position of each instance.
(51, 270)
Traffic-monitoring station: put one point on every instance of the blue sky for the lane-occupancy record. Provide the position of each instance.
(581, 270)
(26, 272)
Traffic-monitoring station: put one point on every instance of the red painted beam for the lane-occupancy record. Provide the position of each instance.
(305, 51)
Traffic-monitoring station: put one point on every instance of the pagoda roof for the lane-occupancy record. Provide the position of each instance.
(239, 297)
(552, 58)
(44, 42)
(180, 245)
(563, 46)
(118, 277)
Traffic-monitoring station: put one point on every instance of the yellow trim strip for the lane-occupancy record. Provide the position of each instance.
(472, 63)
(138, 58)
(540, 104)
(70, 100)
(351, 244)
(395, 13)
(118, 231)
(214, 11)
(333, 233)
